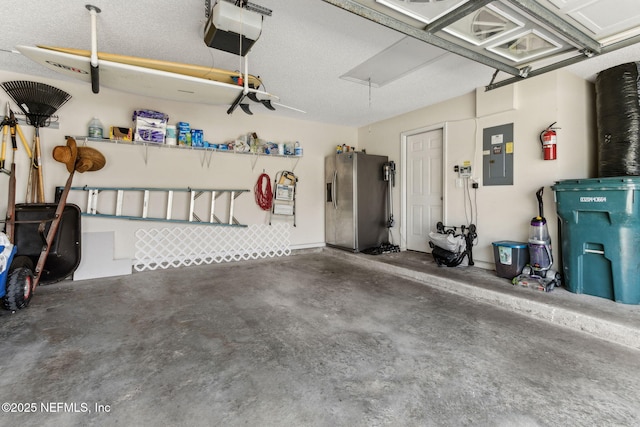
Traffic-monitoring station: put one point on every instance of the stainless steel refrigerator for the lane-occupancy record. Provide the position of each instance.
(355, 201)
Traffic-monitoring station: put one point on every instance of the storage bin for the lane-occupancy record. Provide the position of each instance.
(510, 257)
(600, 236)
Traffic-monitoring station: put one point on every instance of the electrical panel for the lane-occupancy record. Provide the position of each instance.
(497, 155)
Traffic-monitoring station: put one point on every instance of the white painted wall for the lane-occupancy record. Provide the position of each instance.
(182, 168)
(503, 212)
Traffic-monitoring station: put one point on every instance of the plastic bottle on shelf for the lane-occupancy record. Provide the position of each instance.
(170, 138)
(95, 128)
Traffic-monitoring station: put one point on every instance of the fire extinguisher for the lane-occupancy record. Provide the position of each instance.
(548, 139)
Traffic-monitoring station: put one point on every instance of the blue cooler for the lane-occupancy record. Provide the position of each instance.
(7, 252)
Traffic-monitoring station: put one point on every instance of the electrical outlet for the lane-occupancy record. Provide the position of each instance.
(465, 171)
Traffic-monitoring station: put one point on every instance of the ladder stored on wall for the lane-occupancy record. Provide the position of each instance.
(149, 202)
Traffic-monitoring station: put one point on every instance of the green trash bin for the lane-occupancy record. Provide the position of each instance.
(600, 236)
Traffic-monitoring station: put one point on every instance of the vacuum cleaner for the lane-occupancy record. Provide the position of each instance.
(389, 176)
(538, 274)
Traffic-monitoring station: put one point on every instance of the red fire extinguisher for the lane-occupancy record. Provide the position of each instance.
(548, 139)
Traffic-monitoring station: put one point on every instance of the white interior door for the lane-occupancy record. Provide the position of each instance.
(424, 187)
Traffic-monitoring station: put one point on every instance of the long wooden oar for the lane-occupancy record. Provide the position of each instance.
(53, 229)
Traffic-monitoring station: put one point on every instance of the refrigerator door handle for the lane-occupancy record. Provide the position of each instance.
(333, 189)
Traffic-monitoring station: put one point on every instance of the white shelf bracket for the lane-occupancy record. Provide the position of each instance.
(254, 161)
(206, 158)
(294, 164)
(145, 154)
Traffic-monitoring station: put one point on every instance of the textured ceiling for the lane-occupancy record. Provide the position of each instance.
(304, 49)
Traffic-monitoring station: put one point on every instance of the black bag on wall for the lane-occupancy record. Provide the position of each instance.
(618, 120)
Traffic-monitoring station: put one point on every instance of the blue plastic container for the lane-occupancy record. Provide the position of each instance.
(510, 257)
(600, 233)
(7, 252)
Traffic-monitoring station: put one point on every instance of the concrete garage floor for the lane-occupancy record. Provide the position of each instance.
(321, 338)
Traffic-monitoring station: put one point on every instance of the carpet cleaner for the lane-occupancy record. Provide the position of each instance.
(538, 274)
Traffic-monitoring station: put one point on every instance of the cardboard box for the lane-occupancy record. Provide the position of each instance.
(120, 133)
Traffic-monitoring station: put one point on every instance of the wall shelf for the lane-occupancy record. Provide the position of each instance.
(207, 152)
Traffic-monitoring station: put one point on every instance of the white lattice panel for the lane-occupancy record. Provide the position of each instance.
(195, 245)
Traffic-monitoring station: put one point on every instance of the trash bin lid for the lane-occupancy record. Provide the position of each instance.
(610, 183)
(510, 244)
